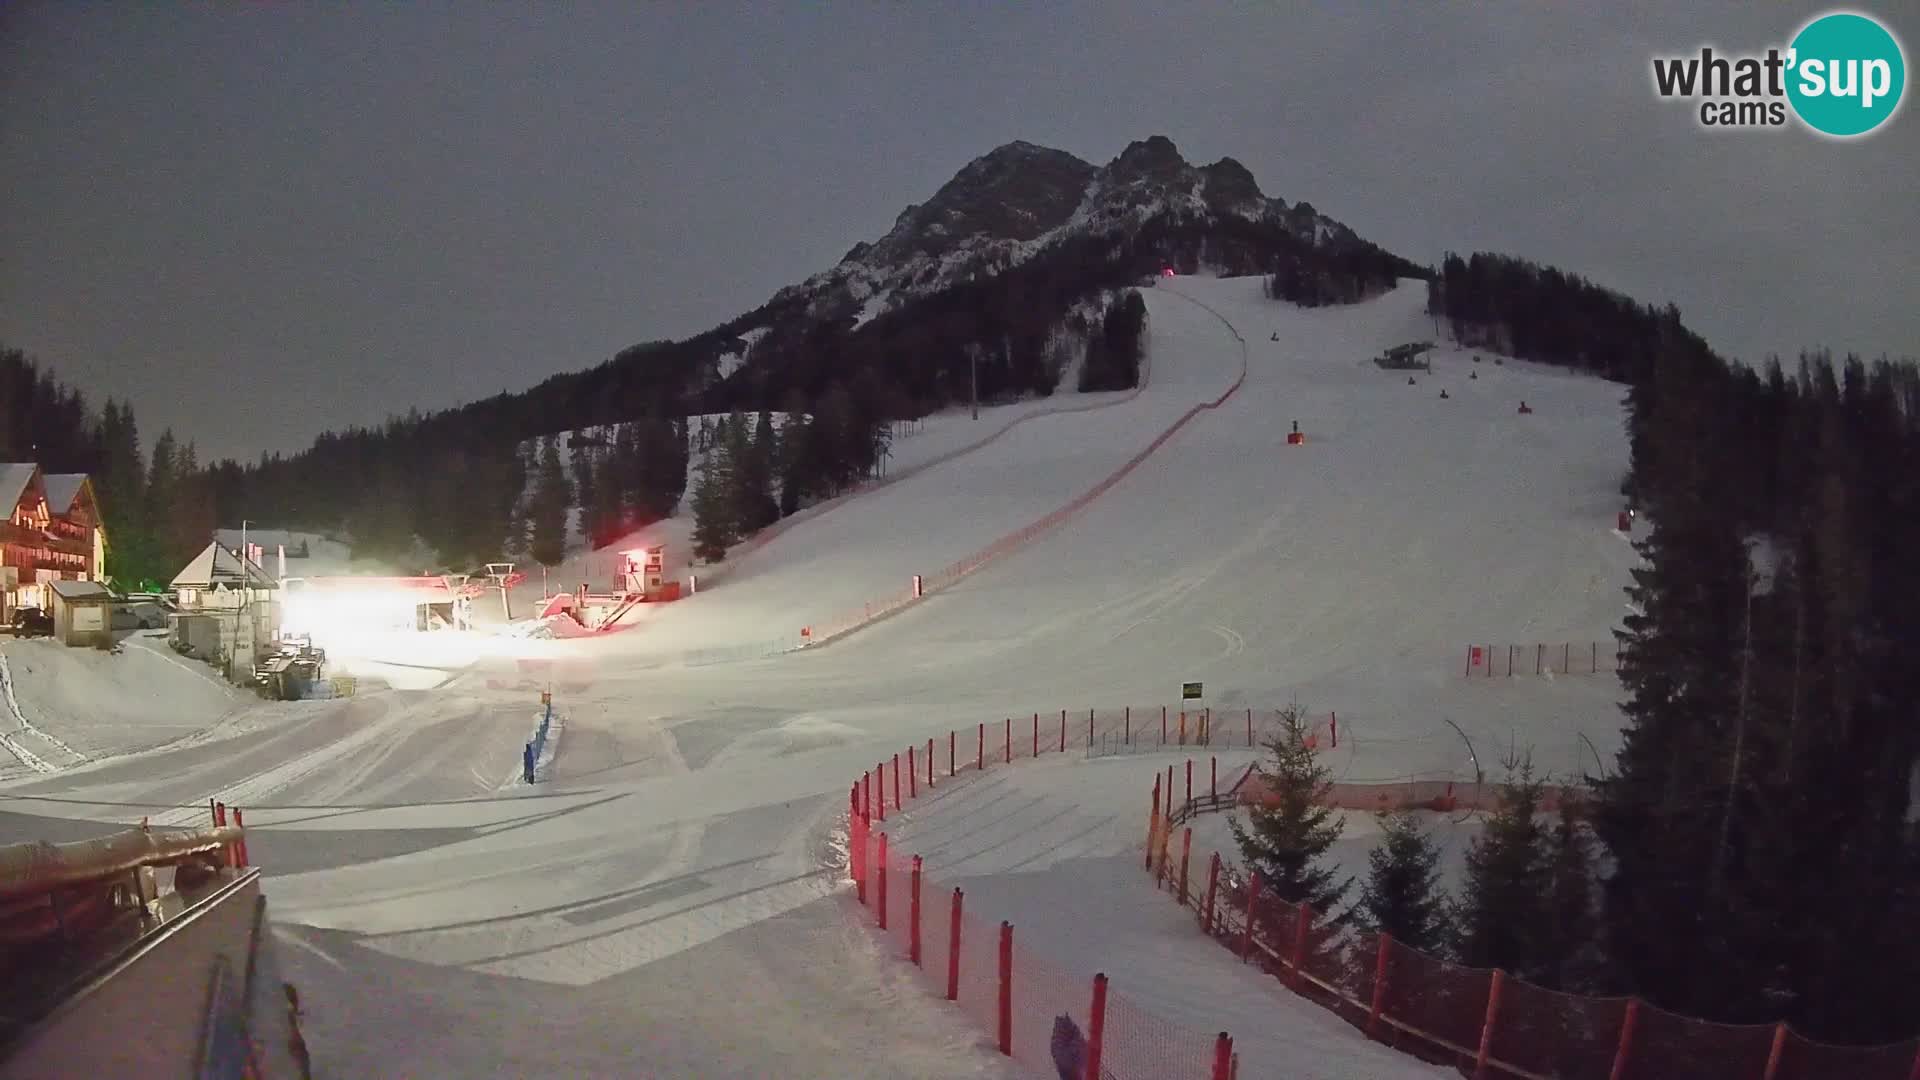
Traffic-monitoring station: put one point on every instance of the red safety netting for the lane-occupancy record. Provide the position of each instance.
(1135, 1043)
(1668, 1046)
(1555, 1034)
(1443, 1003)
(1804, 1059)
(1141, 1045)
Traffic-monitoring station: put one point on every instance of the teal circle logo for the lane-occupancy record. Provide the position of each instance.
(1846, 75)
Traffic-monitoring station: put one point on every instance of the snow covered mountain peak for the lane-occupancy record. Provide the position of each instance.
(1012, 203)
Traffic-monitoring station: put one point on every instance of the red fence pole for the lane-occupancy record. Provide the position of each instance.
(1189, 801)
(1006, 988)
(1773, 1055)
(1333, 728)
(913, 913)
(1486, 1026)
(880, 784)
(1511, 650)
(1153, 820)
(1302, 923)
(213, 813)
(220, 814)
(240, 822)
(1186, 850)
(1249, 729)
(1126, 726)
(1089, 729)
(913, 775)
(980, 760)
(1222, 1057)
(953, 744)
(896, 782)
(1063, 729)
(1253, 898)
(1626, 1043)
(1566, 658)
(1379, 985)
(1213, 777)
(1469, 660)
(1213, 885)
(1009, 739)
(1096, 1026)
(881, 878)
(929, 762)
(1163, 725)
(953, 949)
(1036, 734)
(857, 856)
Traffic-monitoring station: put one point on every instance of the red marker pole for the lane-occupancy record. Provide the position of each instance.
(1063, 729)
(1126, 729)
(1213, 781)
(913, 775)
(896, 781)
(1006, 988)
(1009, 747)
(953, 741)
(953, 949)
(929, 762)
(913, 913)
(980, 761)
(1096, 1026)
(1036, 734)
(881, 878)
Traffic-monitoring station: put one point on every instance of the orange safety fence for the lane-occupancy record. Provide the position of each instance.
(1506, 660)
(1014, 991)
(1486, 1022)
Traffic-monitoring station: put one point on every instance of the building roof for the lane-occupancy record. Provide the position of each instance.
(80, 590)
(217, 565)
(62, 489)
(14, 478)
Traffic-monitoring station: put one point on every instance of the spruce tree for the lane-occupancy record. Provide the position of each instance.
(1286, 836)
(1402, 895)
(1570, 950)
(1503, 910)
(547, 519)
(714, 529)
(754, 507)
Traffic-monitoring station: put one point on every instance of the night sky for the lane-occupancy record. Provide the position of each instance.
(260, 220)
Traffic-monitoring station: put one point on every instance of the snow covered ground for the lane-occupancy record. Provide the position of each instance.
(1054, 845)
(666, 902)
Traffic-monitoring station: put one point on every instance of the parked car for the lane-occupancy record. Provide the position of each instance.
(32, 622)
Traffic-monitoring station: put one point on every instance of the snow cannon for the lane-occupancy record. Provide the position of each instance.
(1294, 438)
(1524, 410)
(1473, 374)
(1443, 394)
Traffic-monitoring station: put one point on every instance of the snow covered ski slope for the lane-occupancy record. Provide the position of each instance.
(666, 904)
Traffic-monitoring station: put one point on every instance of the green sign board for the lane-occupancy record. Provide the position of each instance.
(1190, 691)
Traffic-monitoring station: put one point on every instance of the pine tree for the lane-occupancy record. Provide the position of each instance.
(1502, 914)
(754, 507)
(1286, 836)
(713, 525)
(1402, 896)
(547, 541)
(1570, 950)
(583, 464)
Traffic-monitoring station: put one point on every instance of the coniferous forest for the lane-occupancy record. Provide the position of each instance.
(1762, 822)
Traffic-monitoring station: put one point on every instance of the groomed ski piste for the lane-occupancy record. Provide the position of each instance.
(670, 900)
